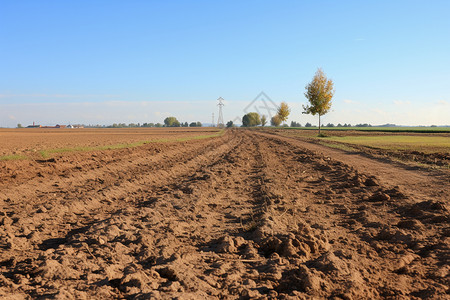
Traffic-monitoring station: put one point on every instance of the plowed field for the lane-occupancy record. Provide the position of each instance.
(243, 215)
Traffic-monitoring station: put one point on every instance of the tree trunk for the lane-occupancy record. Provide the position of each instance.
(319, 124)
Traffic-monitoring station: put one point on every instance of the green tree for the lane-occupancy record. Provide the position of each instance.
(230, 124)
(283, 111)
(195, 124)
(319, 93)
(251, 119)
(263, 120)
(275, 121)
(19, 125)
(171, 122)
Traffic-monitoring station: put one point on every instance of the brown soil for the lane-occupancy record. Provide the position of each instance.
(26, 141)
(245, 215)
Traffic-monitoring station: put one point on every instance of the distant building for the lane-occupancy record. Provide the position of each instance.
(34, 126)
(56, 126)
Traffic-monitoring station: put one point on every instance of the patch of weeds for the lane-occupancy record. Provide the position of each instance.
(44, 153)
(47, 153)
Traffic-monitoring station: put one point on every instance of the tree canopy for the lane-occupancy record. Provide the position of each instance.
(275, 121)
(251, 119)
(283, 111)
(171, 122)
(295, 124)
(319, 93)
(263, 120)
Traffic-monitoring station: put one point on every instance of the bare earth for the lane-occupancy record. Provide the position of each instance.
(28, 140)
(244, 215)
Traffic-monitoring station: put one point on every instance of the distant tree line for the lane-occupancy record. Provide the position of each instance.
(249, 120)
(332, 125)
(254, 119)
(173, 122)
(168, 122)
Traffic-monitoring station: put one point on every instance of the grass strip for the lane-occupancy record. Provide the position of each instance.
(201, 137)
(13, 157)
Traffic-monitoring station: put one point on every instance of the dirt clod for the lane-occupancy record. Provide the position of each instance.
(379, 196)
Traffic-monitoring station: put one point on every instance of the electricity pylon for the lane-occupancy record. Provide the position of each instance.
(220, 122)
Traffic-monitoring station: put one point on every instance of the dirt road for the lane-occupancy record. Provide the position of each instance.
(245, 215)
(413, 180)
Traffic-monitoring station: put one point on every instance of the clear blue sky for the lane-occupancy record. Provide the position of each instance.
(139, 61)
